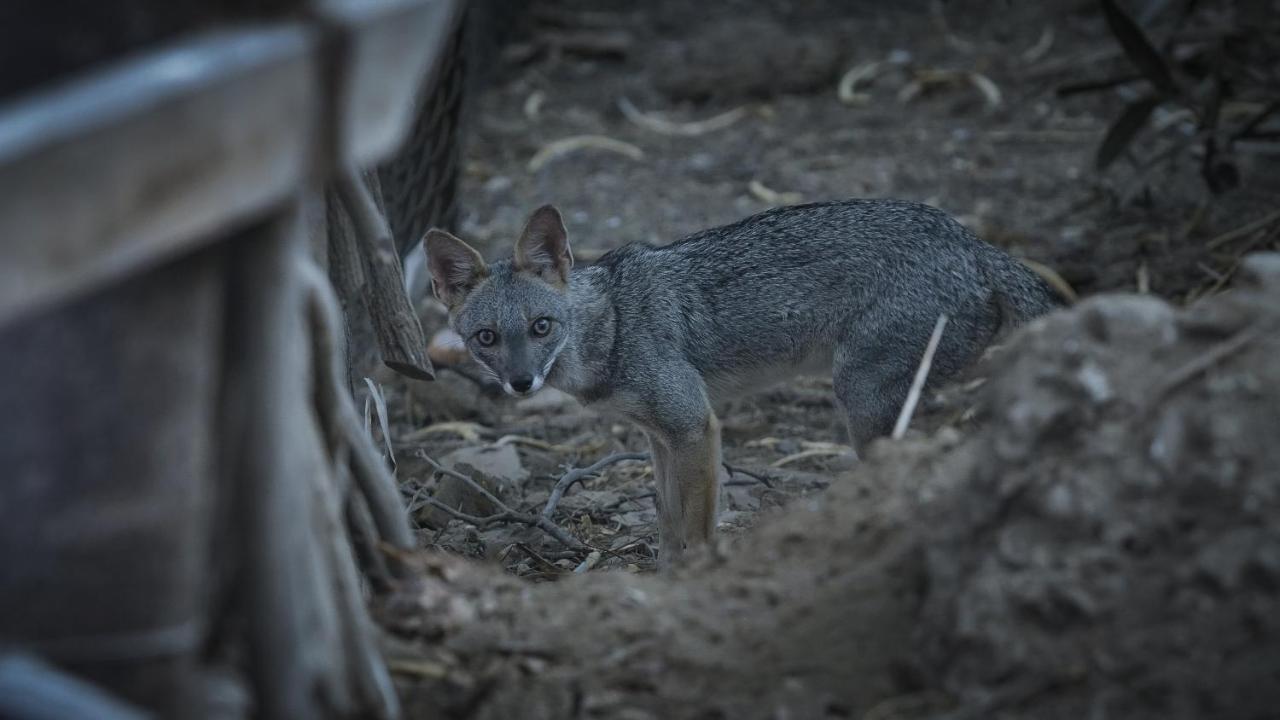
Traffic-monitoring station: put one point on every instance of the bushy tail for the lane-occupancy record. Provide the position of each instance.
(1022, 293)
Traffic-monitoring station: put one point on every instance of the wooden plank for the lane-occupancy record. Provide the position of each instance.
(393, 47)
(141, 161)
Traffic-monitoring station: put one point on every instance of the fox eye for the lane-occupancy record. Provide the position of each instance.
(486, 337)
(541, 327)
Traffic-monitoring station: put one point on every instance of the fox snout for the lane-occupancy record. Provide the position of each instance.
(523, 384)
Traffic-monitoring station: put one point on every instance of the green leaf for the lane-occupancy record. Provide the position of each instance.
(1139, 49)
(1125, 129)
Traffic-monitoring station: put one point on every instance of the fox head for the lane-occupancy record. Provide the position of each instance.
(513, 314)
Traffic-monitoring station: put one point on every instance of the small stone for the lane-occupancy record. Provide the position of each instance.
(500, 462)
(447, 348)
(495, 468)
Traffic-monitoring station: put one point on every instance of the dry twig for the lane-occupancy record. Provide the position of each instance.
(1202, 363)
(504, 515)
(1243, 230)
(576, 475)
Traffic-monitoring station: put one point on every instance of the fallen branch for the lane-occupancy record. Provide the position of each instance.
(504, 515)
(576, 475)
(922, 374)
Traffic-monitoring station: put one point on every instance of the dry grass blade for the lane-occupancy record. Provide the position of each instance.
(469, 431)
(770, 196)
(417, 667)
(384, 426)
(1041, 48)
(917, 384)
(533, 104)
(565, 146)
(814, 452)
(1244, 230)
(985, 85)
(681, 129)
(847, 88)
(535, 443)
(1055, 280)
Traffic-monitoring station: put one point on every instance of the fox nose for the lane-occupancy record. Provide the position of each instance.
(522, 383)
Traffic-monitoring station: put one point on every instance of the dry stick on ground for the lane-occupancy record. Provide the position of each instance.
(1243, 230)
(576, 475)
(922, 374)
(504, 515)
(543, 521)
(1201, 364)
(400, 338)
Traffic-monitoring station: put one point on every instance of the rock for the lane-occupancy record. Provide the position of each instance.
(447, 348)
(500, 462)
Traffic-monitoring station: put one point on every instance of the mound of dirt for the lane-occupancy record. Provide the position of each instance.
(1109, 547)
(1103, 545)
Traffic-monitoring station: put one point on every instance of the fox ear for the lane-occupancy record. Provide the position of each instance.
(543, 247)
(456, 268)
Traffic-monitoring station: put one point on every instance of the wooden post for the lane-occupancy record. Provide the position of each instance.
(400, 338)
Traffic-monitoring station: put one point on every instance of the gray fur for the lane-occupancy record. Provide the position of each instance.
(661, 334)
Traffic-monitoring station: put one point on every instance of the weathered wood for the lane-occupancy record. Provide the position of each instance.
(149, 158)
(292, 619)
(400, 337)
(390, 46)
(339, 417)
(31, 688)
(97, 183)
(311, 641)
(108, 465)
(345, 266)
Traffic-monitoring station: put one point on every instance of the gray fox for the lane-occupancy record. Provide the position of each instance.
(661, 335)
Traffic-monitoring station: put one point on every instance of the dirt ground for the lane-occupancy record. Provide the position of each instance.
(1063, 533)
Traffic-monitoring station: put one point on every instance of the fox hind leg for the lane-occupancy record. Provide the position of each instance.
(874, 364)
